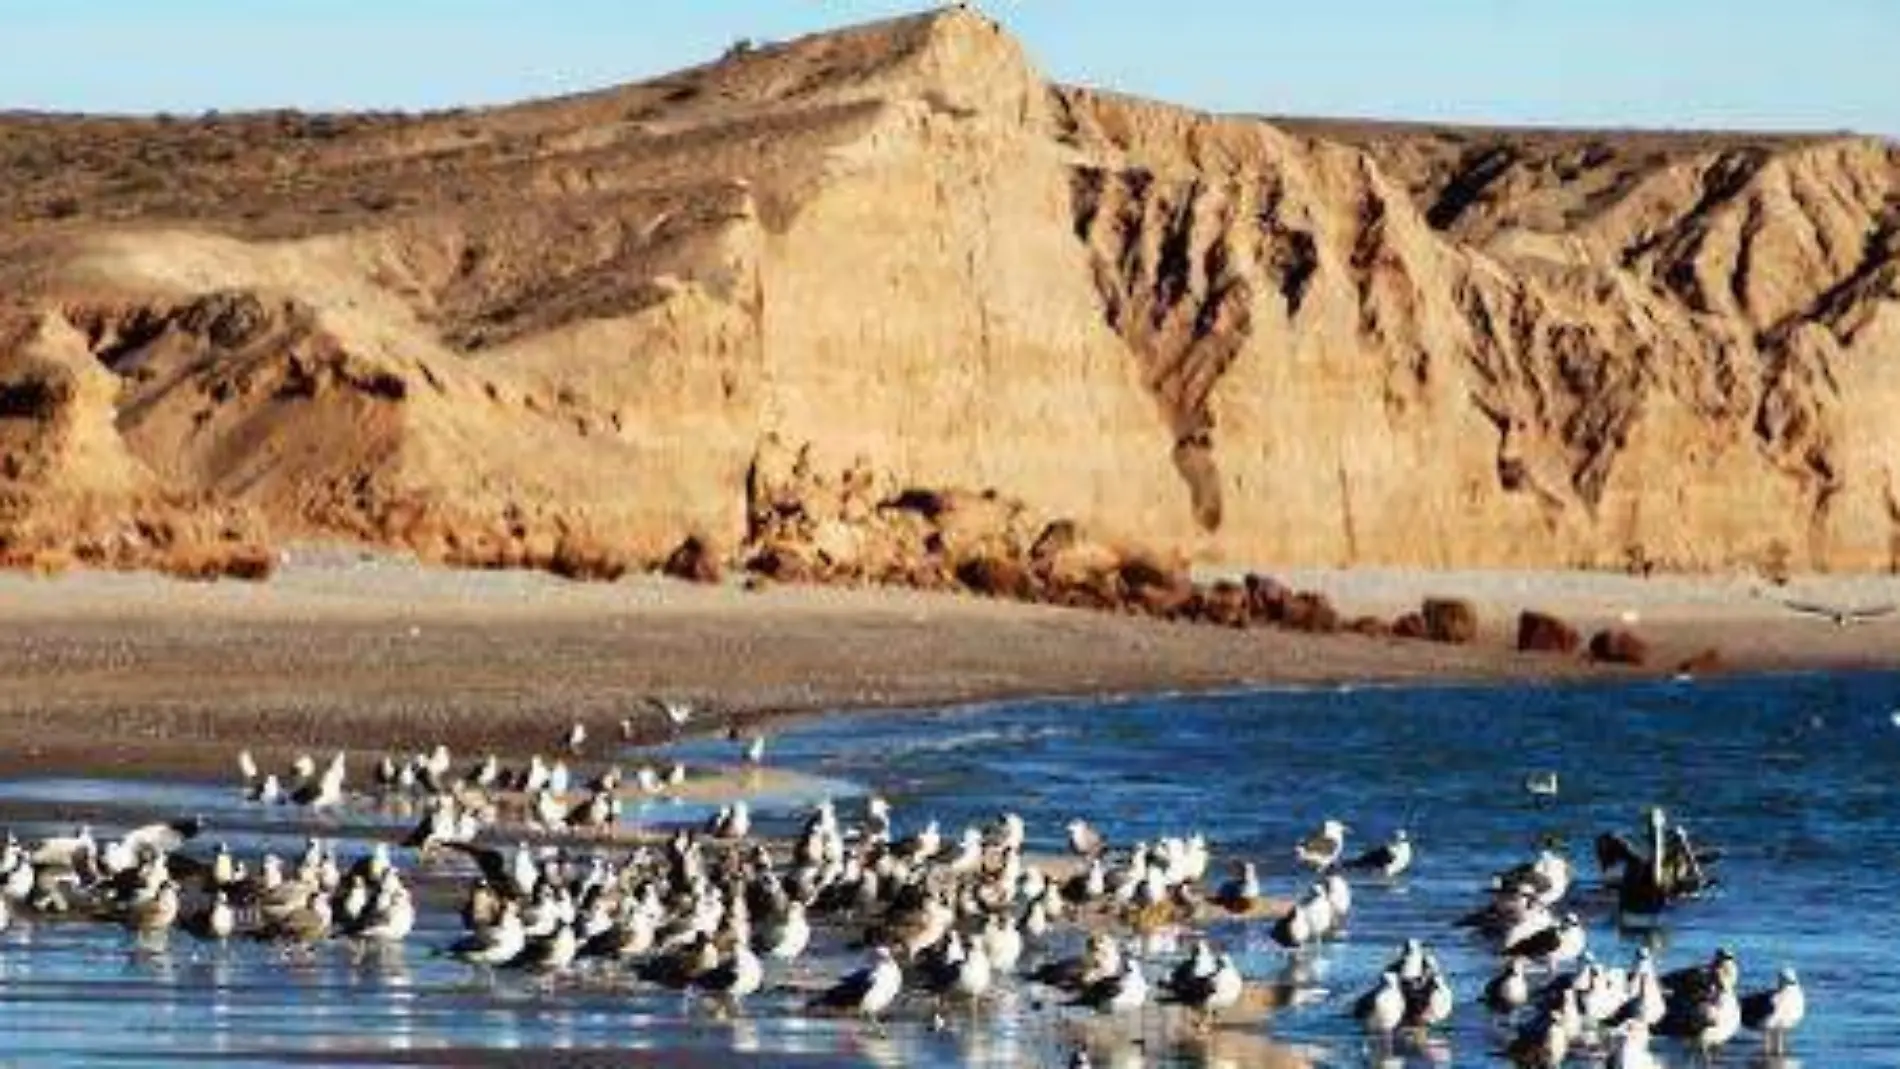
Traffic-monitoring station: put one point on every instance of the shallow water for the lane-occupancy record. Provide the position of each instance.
(1796, 777)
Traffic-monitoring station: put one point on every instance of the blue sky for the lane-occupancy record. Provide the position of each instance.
(1819, 64)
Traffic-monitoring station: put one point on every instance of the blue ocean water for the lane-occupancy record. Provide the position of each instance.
(1796, 778)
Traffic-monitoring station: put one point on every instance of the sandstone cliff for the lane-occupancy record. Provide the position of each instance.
(893, 258)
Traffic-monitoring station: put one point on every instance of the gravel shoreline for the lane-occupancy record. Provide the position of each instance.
(109, 672)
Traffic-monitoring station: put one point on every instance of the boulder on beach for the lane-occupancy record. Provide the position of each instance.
(1266, 597)
(1311, 611)
(694, 561)
(1224, 603)
(1056, 538)
(1541, 632)
(781, 564)
(996, 576)
(1617, 646)
(1410, 625)
(582, 557)
(1450, 620)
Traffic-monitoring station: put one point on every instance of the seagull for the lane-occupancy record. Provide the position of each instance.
(1002, 942)
(1632, 1048)
(963, 973)
(390, 917)
(1645, 1001)
(678, 713)
(1553, 946)
(161, 838)
(1322, 848)
(1085, 841)
(323, 791)
(1544, 1043)
(1430, 1001)
(576, 738)
(1389, 860)
(739, 976)
(494, 946)
(790, 935)
(548, 954)
(155, 915)
(1842, 615)
(1381, 1009)
(1307, 922)
(1123, 992)
(1198, 965)
(1508, 991)
(65, 852)
(1242, 893)
(1702, 1006)
(1541, 785)
(731, 822)
(1777, 1011)
(1101, 957)
(1409, 962)
(267, 791)
(869, 991)
(1208, 993)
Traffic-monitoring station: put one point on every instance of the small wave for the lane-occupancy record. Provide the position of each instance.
(976, 739)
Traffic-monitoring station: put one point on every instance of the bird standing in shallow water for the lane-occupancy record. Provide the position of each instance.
(1776, 1012)
(1389, 859)
(1541, 785)
(1509, 990)
(1631, 1050)
(1322, 848)
(869, 991)
(1084, 840)
(1381, 1009)
(1124, 992)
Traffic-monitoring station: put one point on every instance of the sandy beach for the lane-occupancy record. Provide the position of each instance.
(342, 649)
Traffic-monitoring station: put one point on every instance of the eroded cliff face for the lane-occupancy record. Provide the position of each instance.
(897, 255)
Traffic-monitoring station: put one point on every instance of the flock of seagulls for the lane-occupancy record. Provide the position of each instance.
(942, 917)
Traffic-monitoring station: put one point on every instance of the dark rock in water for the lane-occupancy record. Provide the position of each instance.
(1617, 646)
(1451, 620)
(1540, 632)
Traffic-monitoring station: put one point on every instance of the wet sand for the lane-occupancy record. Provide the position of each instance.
(114, 672)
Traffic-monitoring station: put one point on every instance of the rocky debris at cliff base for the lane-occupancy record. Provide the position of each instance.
(1618, 646)
(1541, 632)
(1450, 620)
(695, 561)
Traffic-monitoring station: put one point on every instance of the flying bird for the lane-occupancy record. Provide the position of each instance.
(1842, 615)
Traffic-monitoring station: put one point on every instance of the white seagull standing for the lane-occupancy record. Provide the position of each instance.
(1321, 849)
